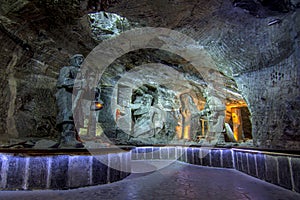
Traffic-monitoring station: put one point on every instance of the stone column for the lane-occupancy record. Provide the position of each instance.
(237, 123)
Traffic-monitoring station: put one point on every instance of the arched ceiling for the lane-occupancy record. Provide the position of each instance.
(240, 36)
(38, 37)
(236, 33)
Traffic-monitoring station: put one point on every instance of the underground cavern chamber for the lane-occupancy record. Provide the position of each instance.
(171, 77)
(176, 106)
(65, 169)
(266, 77)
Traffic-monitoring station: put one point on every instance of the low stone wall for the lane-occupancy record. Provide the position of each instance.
(72, 171)
(61, 171)
(277, 168)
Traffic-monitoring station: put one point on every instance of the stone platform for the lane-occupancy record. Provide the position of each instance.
(178, 180)
(65, 169)
(62, 169)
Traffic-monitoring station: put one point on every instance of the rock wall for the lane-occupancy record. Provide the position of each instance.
(37, 39)
(273, 98)
(254, 42)
(279, 168)
(57, 172)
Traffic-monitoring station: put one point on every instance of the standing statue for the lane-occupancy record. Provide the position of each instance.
(65, 122)
(189, 118)
(214, 109)
(141, 106)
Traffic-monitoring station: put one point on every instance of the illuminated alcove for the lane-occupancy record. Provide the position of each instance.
(183, 123)
(252, 47)
(152, 96)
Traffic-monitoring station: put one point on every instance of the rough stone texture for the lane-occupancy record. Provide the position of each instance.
(238, 160)
(170, 183)
(215, 158)
(39, 36)
(276, 101)
(205, 157)
(62, 171)
(141, 153)
(156, 153)
(115, 167)
(190, 155)
(263, 59)
(196, 155)
(164, 153)
(295, 162)
(149, 154)
(15, 172)
(1, 173)
(128, 164)
(261, 169)
(184, 154)
(38, 39)
(244, 163)
(79, 169)
(227, 158)
(38, 172)
(284, 172)
(59, 172)
(181, 153)
(252, 164)
(164, 96)
(172, 153)
(75, 171)
(271, 169)
(100, 169)
(178, 153)
(134, 154)
(108, 123)
(125, 164)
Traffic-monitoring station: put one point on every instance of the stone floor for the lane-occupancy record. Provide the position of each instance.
(176, 181)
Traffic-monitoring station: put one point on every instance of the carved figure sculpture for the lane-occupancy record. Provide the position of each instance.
(65, 121)
(215, 111)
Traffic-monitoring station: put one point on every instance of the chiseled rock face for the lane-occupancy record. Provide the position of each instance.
(37, 38)
(256, 43)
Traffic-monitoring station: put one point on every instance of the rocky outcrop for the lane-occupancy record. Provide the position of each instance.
(37, 39)
(252, 43)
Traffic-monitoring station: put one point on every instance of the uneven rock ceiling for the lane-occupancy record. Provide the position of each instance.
(234, 33)
(238, 36)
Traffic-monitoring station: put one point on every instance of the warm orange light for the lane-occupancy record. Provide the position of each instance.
(235, 118)
(98, 105)
(186, 134)
(236, 104)
(118, 114)
(237, 124)
(178, 130)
